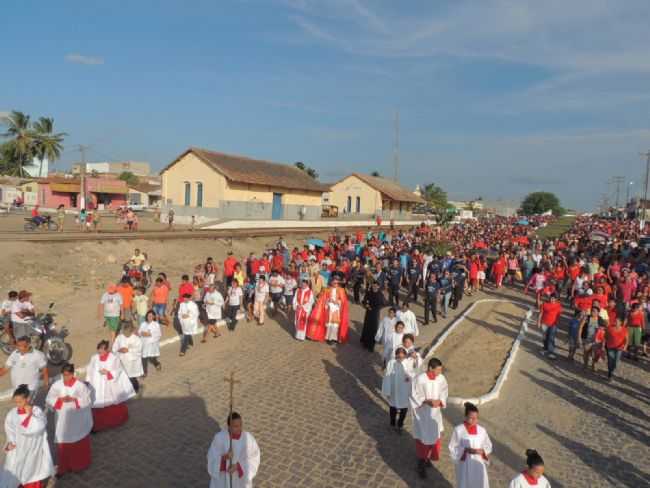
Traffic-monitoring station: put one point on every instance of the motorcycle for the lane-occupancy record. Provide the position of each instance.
(46, 223)
(43, 336)
(138, 277)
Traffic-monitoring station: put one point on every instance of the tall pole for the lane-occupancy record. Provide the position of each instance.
(618, 180)
(82, 177)
(647, 175)
(396, 149)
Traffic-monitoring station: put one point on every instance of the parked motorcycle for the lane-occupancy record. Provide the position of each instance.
(138, 277)
(46, 224)
(43, 336)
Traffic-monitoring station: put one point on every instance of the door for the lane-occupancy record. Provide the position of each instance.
(199, 194)
(276, 212)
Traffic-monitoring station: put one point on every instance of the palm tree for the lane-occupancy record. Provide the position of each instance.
(21, 146)
(48, 144)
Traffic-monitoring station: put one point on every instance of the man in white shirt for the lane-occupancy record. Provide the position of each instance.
(276, 287)
(22, 314)
(261, 299)
(110, 308)
(27, 366)
(235, 295)
(213, 301)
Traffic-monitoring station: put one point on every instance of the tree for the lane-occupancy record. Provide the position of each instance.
(376, 174)
(129, 177)
(539, 202)
(435, 196)
(303, 167)
(48, 144)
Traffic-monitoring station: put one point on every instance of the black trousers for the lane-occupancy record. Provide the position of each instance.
(402, 415)
(231, 313)
(393, 296)
(456, 297)
(430, 306)
(412, 293)
(135, 384)
(186, 341)
(356, 289)
(146, 361)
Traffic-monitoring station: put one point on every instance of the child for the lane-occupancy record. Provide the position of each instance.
(413, 358)
(396, 387)
(599, 344)
(574, 327)
(140, 305)
(392, 341)
(150, 334)
(290, 285)
(213, 302)
(249, 298)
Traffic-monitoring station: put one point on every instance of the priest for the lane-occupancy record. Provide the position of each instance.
(329, 320)
(70, 399)
(303, 302)
(428, 398)
(234, 456)
(112, 387)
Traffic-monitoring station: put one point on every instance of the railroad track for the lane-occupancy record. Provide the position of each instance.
(21, 236)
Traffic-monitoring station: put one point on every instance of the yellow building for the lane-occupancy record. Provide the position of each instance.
(369, 196)
(223, 186)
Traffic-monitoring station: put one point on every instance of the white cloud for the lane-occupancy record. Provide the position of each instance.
(82, 59)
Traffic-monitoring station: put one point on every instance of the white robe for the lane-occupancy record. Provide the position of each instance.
(245, 451)
(31, 460)
(520, 482)
(472, 471)
(392, 341)
(412, 364)
(410, 322)
(108, 391)
(396, 385)
(189, 324)
(74, 421)
(386, 326)
(427, 421)
(131, 360)
(150, 345)
(303, 301)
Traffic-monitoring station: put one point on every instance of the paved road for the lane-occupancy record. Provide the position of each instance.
(320, 422)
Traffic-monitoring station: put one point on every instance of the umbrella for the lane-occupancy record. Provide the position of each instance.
(522, 222)
(316, 242)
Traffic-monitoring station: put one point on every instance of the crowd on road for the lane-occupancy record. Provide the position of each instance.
(596, 273)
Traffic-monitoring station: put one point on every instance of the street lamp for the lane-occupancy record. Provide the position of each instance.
(629, 186)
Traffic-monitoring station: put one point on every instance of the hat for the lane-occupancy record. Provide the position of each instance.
(111, 288)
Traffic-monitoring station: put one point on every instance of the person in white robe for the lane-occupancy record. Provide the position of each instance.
(470, 448)
(533, 475)
(128, 348)
(413, 359)
(407, 316)
(188, 316)
(111, 388)
(214, 303)
(28, 461)
(150, 334)
(428, 398)
(71, 401)
(391, 341)
(396, 388)
(303, 302)
(386, 326)
(233, 455)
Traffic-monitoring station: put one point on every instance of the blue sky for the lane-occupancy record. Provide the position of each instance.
(497, 98)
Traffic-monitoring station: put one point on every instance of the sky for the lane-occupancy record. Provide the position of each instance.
(496, 98)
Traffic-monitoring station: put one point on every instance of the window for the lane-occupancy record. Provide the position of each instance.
(199, 194)
(349, 205)
(188, 193)
(358, 204)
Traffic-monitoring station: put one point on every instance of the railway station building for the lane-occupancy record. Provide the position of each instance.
(363, 196)
(214, 185)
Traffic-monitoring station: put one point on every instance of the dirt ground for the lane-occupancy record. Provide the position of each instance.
(487, 332)
(74, 276)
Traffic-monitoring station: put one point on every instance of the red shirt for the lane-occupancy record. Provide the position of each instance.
(615, 339)
(635, 319)
(229, 266)
(550, 313)
(185, 289)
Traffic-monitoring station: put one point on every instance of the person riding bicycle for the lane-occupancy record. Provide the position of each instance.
(37, 217)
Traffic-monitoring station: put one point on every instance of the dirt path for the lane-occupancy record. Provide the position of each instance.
(486, 333)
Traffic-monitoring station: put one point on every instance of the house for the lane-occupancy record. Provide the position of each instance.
(13, 188)
(215, 185)
(102, 192)
(144, 193)
(368, 196)
(138, 168)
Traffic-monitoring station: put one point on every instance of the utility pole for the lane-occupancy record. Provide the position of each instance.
(82, 176)
(396, 150)
(618, 180)
(647, 175)
(627, 195)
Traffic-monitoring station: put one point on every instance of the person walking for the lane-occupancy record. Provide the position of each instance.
(616, 340)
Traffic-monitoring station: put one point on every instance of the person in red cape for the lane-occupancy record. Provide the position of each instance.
(329, 320)
(303, 301)
(71, 400)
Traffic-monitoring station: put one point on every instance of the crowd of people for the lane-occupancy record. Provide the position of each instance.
(602, 284)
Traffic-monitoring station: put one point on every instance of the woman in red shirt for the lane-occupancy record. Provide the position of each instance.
(616, 341)
(635, 328)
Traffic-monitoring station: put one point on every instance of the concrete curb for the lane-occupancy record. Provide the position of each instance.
(493, 394)
(7, 394)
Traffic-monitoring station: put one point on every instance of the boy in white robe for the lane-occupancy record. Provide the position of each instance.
(27, 454)
(150, 334)
(386, 326)
(396, 388)
(533, 475)
(233, 455)
(413, 359)
(407, 316)
(70, 399)
(112, 389)
(214, 302)
(392, 341)
(470, 448)
(303, 302)
(188, 316)
(428, 398)
(128, 348)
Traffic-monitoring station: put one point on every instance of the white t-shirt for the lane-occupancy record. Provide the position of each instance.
(17, 307)
(276, 284)
(5, 308)
(213, 303)
(25, 368)
(290, 284)
(112, 304)
(235, 296)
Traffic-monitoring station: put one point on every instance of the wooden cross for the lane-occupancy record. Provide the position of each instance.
(231, 383)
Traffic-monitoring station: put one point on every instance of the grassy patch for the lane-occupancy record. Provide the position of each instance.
(556, 229)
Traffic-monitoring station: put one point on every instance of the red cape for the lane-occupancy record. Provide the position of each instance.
(316, 325)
